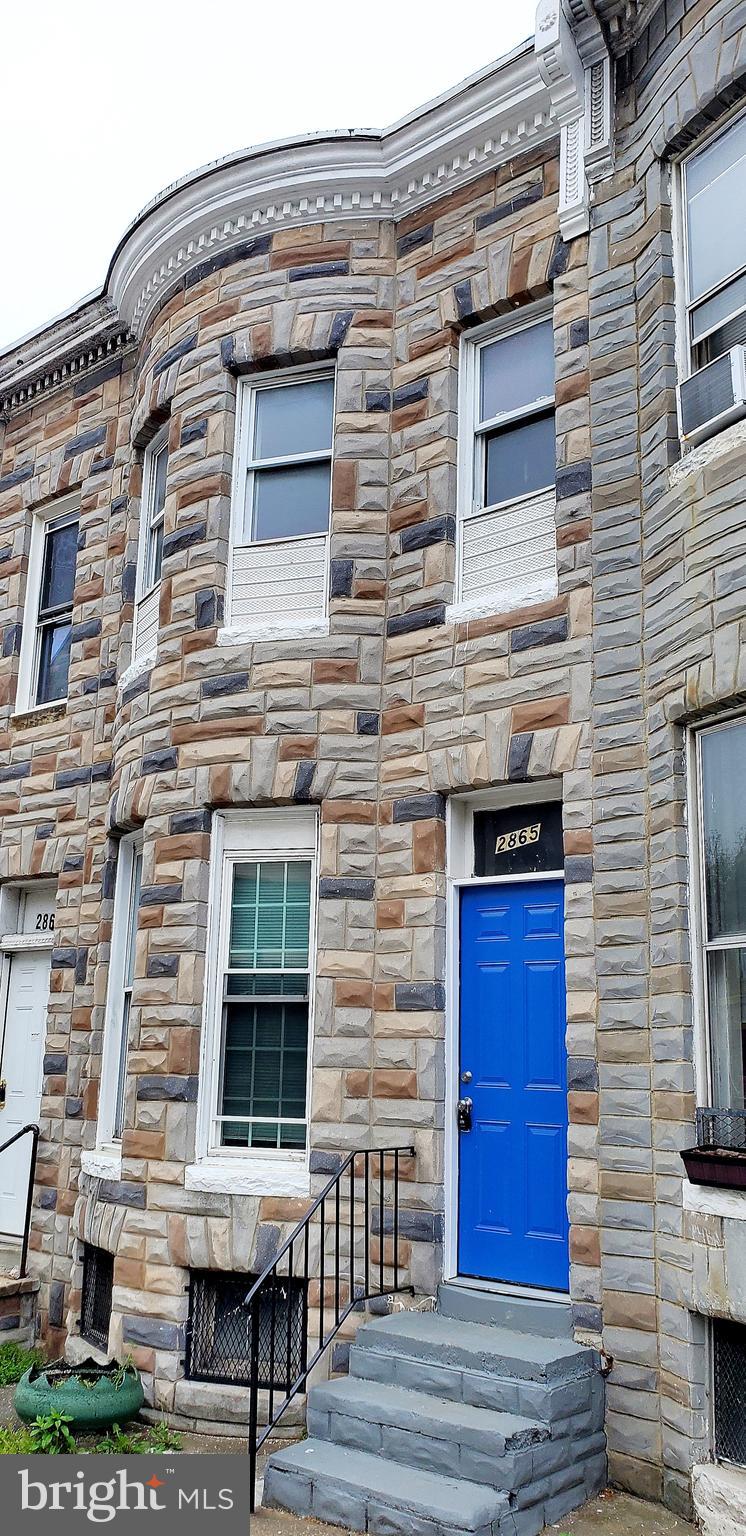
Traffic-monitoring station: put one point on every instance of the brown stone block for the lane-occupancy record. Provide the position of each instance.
(353, 994)
(307, 255)
(383, 996)
(630, 1309)
(182, 845)
(390, 914)
(377, 319)
(574, 533)
(282, 1208)
(129, 1272)
(442, 259)
(67, 1200)
(576, 386)
(623, 1045)
(357, 1085)
(618, 1185)
(674, 1106)
(344, 485)
(223, 311)
(330, 670)
(407, 514)
(428, 846)
(424, 345)
(90, 1100)
(144, 1144)
(391, 1083)
(183, 1051)
(582, 1107)
(296, 748)
(211, 730)
(498, 623)
(367, 589)
(636, 1476)
(580, 841)
(540, 714)
(409, 415)
(201, 490)
(403, 717)
(349, 812)
(585, 1246)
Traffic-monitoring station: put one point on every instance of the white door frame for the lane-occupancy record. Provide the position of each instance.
(460, 876)
(13, 940)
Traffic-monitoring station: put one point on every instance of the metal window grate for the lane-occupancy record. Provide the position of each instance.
(729, 1351)
(98, 1281)
(722, 1128)
(219, 1331)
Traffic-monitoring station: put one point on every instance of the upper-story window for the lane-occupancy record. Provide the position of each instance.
(119, 992)
(714, 183)
(721, 762)
(150, 552)
(507, 546)
(47, 628)
(282, 495)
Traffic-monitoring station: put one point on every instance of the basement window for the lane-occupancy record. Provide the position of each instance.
(729, 1364)
(219, 1330)
(98, 1282)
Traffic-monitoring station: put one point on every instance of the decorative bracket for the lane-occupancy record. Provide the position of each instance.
(574, 63)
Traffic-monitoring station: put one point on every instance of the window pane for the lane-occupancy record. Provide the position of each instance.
(715, 189)
(292, 501)
(517, 370)
(264, 1070)
(54, 662)
(122, 1069)
(136, 880)
(270, 915)
(724, 828)
(519, 460)
(58, 574)
(158, 483)
(720, 307)
(154, 556)
(726, 969)
(293, 419)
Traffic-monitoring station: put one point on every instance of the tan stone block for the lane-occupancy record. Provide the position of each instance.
(630, 1309)
(585, 1246)
(540, 714)
(389, 1083)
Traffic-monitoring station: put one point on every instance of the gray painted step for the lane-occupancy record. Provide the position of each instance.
(478, 1347)
(550, 1319)
(419, 1430)
(370, 1493)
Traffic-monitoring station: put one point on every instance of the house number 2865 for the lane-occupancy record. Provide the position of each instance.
(508, 841)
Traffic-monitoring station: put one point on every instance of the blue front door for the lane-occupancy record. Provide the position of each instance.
(513, 1160)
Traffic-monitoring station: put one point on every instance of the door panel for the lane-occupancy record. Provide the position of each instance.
(513, 1162)
(22, 1061)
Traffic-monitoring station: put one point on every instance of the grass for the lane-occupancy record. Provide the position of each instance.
(15, 1360)
(54, 1439)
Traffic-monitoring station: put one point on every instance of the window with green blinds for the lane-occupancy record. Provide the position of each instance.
(265, 1006)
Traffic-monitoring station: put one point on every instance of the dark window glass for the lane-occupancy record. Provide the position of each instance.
(292, 419)
(519, 840)
(58, 576)
(54, 662)
(724, 829)
(291, 501)
(516, 371)
(519, 460)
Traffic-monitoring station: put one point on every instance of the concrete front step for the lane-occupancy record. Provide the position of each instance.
(370, 1493)
(550, 1319)
(419, 1430)
(476, 1347)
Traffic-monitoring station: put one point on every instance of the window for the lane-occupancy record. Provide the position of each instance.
(714, 187)
(729, 1372)
(260, 1027)
(282, 497)
(47, 630)
(721, 754)
(95, 1309)
(119, 992)
(507, 468)
(219, 1330)
(150, 553)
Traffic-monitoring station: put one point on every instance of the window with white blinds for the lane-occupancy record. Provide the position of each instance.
(282, 496)
(150, 550)
(507, 537)
(714, 183)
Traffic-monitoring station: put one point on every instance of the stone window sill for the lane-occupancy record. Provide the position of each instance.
(38, 714)
(491, 605)
(102, 1163)
(256, 632)
(136, 668)
(250, 1176)
(706, 1201)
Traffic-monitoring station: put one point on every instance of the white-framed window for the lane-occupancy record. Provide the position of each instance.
(254, 1082)
(47, 626)
(720, 910)
(713, 190)
(119, 992)
(507, 546)
(150, 548)
(281, 500)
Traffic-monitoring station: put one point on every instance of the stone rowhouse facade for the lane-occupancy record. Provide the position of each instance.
(396, 709)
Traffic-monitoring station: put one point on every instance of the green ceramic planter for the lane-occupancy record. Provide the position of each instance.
(94, 1397)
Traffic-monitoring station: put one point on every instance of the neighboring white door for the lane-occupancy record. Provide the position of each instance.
(21, 1070)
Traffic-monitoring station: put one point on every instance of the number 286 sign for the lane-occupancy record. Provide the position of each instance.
(507, 842)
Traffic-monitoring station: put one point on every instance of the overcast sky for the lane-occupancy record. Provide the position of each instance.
(104, 102)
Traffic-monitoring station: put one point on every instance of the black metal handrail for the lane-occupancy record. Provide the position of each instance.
(350, 1277)
(33, 1132)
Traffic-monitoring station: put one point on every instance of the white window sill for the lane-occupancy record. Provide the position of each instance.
(136, 669)
(250, 1176)
(273, 630)
(102, 1163)
(494, 603)
(714, 1202)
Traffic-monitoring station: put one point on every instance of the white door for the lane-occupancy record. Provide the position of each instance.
(21, 1070)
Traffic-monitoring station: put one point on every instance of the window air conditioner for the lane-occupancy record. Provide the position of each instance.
(714, 396)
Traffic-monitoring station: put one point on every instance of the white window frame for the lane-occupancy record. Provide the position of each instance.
(470, 456)
(241, 499)
(65, 510)
(147, 590)
(130, 850)
(683, 303)
(238, 837)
